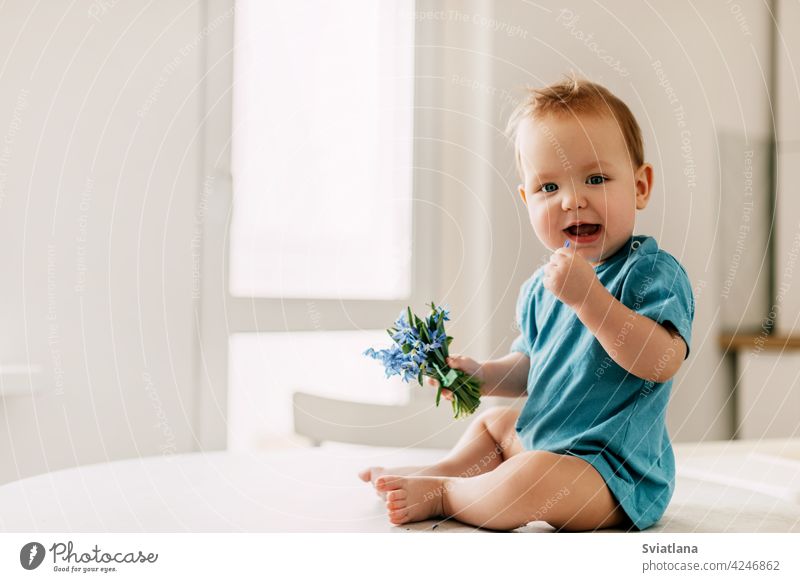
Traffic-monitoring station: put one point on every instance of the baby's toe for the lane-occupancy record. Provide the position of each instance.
(396, 505)
(396, 499)
(386, 483)
(365, 474)
(399, 516)
(396, 495)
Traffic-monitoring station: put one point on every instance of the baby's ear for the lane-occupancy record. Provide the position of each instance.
(644, 185)
(521, 189)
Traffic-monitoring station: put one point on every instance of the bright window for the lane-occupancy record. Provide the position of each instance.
(322, 166)
(322, 149)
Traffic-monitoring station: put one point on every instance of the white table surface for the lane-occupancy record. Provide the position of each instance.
(303, 490)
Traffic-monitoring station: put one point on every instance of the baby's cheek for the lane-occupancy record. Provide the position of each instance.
(542, 224)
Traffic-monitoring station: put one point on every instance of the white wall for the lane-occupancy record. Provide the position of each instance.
(712, 59)
(787, 246)
(100, 109)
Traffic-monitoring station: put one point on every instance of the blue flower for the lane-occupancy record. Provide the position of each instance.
(406, 335)
(401, 322)
(393, 359)
(410, 370)
(396, 362)
(437, 340)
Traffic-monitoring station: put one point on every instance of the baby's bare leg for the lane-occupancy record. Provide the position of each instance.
(489, 440)
(565, 491)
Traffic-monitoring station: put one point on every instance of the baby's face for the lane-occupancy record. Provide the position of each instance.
(577, 170)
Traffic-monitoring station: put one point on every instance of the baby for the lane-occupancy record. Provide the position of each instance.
(605, 325)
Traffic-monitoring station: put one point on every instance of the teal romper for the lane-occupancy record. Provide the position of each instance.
(582, 403)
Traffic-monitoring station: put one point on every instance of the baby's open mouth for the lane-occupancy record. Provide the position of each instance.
(582, 229)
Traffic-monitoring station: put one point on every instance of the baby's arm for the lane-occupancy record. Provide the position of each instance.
(506, 376)
(637, 343)
(640, 345)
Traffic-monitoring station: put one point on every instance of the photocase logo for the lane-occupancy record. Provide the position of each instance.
(31, 555)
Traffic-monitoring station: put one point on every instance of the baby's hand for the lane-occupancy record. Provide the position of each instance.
(569, 276)
(457, 362)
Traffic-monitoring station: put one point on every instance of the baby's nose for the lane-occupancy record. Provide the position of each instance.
(572, 199)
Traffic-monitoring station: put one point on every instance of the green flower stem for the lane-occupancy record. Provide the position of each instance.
(466, 394)
(466, 391)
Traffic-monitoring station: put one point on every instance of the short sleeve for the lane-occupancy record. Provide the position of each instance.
(658, 287)
(524, 320)
(520, 344)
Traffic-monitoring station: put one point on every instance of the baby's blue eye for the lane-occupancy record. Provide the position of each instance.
(547, 187)
(595, 180)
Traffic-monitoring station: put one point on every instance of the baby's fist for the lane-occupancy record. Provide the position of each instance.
(434, 383)
(569, 277)
(456, 362)
(465, 364)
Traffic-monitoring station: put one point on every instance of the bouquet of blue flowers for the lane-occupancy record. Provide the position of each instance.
(421, 349)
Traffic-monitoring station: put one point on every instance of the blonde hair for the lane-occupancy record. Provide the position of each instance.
(574, 96)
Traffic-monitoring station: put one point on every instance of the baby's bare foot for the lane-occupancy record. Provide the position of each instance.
(369, 474)
(412, 498)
